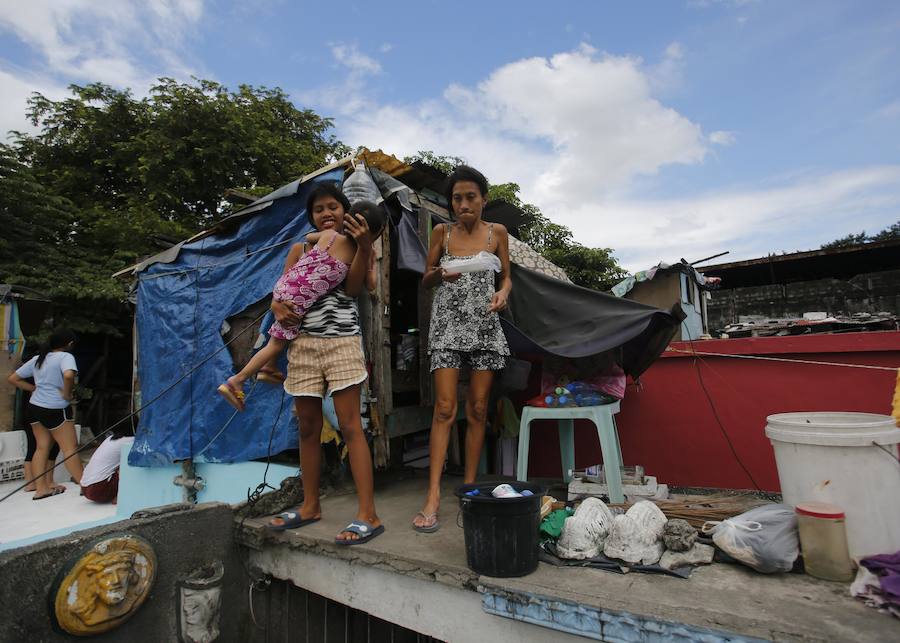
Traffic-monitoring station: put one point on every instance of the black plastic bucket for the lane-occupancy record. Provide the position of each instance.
(501, 533)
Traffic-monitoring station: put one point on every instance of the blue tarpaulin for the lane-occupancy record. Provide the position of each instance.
(181, 307)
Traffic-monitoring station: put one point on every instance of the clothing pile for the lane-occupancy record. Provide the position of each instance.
(877, 583)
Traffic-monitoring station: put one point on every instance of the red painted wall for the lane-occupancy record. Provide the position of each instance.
(669, 425)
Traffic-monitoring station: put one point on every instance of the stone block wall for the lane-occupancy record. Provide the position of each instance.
(866, 293)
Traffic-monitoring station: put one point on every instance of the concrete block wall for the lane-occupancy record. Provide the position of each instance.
(184, 537)
(870, 293)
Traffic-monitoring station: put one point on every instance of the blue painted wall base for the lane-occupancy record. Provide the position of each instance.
(597, 624)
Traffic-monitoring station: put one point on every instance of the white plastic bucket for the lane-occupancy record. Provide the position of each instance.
(847, 459)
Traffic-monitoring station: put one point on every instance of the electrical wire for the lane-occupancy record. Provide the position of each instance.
(781, 359)
(196, 338)
(715, 411)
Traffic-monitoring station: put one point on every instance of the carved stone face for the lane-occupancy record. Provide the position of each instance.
(105, 586)
(201, 603)
(113, 582)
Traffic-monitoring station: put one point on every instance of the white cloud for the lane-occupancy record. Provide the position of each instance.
(722, 137)
(348, 95)
(889, 111)
(122, 43)
(385, 47)
(667, 75)
(799, 215)
(579, 130)
(582, 122)
(17, 88)
(353, 59)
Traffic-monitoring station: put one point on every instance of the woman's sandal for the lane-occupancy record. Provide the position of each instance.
(426, 529)
(55, 491)
(233, 396)
(270, 376)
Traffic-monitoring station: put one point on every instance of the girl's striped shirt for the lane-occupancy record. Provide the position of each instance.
(334, 315)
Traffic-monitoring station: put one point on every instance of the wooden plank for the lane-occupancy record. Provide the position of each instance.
(369, 311)
(379, 630)
(295, 632)
(379, 350)
(276, 615)
(335, 622)
(315, 617)
(408, 419)
(386, 395)
(358, 627)
(424, 301)
(404, 381)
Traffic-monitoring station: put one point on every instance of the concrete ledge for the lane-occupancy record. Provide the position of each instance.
(442, 610)
(398, 576)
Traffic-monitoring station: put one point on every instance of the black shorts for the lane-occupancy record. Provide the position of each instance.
(49, 418)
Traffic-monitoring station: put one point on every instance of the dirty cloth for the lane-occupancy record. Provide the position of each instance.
(867, 588)
(506, 422)
(887, 568)
(551, 526)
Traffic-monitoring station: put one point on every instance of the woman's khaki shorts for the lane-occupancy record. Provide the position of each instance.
(320, 365)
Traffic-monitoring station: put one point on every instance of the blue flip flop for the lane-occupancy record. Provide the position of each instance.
(290, 520)
(361, 528)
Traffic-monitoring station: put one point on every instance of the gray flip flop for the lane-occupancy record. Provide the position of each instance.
(433, 527)
(361, 528)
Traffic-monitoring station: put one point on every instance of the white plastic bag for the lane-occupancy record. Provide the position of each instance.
(764, 538)
(482, 261)
(360, 186)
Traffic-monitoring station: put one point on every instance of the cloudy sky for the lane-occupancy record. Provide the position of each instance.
(665, 129)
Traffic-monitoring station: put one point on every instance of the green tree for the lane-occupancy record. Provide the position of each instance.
(445, 164)
(106, 174)
(891, 232)
(176, 152)
(595, 268)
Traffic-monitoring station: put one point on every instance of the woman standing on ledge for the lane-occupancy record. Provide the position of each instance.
(465, 327)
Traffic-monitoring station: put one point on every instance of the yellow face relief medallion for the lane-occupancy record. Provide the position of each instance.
(105, 585)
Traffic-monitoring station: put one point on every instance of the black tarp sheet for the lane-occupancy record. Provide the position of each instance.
(550, 316)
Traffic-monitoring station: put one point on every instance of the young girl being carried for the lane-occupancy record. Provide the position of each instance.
(308, 276)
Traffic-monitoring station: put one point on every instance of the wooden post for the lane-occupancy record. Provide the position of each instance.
(424, 310)
(378, 345)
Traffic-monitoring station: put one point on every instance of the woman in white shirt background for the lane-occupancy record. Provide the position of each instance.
(53, 371)
(100, 481)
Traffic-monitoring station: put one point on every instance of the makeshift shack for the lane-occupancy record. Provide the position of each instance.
(666, 285)
(204, 292)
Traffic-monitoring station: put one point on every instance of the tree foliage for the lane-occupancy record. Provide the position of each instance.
(445, 164)
(106, 174)
(891, 232)
(595, 268)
